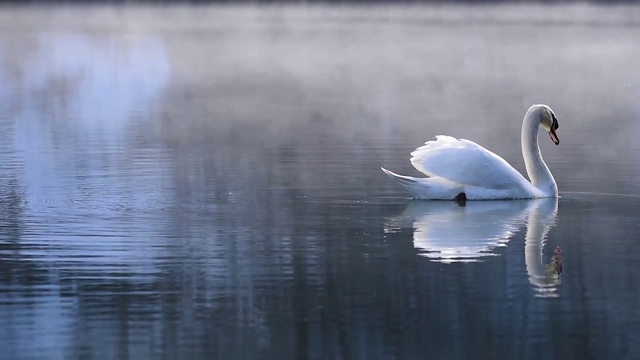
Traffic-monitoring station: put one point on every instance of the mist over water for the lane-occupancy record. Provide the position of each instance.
(204, 182)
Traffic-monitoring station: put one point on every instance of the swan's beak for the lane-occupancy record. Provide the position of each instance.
(552, 131)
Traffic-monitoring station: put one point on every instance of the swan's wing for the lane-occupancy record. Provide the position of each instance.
(465, 162)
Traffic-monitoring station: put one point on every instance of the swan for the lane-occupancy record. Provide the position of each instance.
(460, 169)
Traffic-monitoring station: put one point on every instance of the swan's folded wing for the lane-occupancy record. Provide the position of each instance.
(465, 162)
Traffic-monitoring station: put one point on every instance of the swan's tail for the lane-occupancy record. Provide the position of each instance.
(404, 180)
(426, 188)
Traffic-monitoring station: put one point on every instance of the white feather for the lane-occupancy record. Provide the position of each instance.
(457, 167)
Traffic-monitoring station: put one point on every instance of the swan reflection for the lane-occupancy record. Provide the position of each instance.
(463, 232)
(545, 277)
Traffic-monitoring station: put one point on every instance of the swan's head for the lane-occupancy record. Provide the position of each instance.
(548, 121)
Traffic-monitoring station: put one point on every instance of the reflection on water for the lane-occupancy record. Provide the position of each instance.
(210, 188)
(72, 158)
(539, 220)
(449, 232)
(71, 226)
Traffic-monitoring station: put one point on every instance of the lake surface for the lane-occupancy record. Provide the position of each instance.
(204, 182)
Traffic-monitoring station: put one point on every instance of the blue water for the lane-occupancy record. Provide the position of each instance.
(204, 182)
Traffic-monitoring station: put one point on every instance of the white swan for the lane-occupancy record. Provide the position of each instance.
(462, 169)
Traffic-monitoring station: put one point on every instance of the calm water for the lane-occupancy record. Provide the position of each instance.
(203, 182)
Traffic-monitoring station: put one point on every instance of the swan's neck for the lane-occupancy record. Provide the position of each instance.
(537, 170)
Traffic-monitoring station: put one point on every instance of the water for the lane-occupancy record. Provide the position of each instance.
(203, 182)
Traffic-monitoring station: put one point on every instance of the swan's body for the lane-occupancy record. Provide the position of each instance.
(462, 169)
